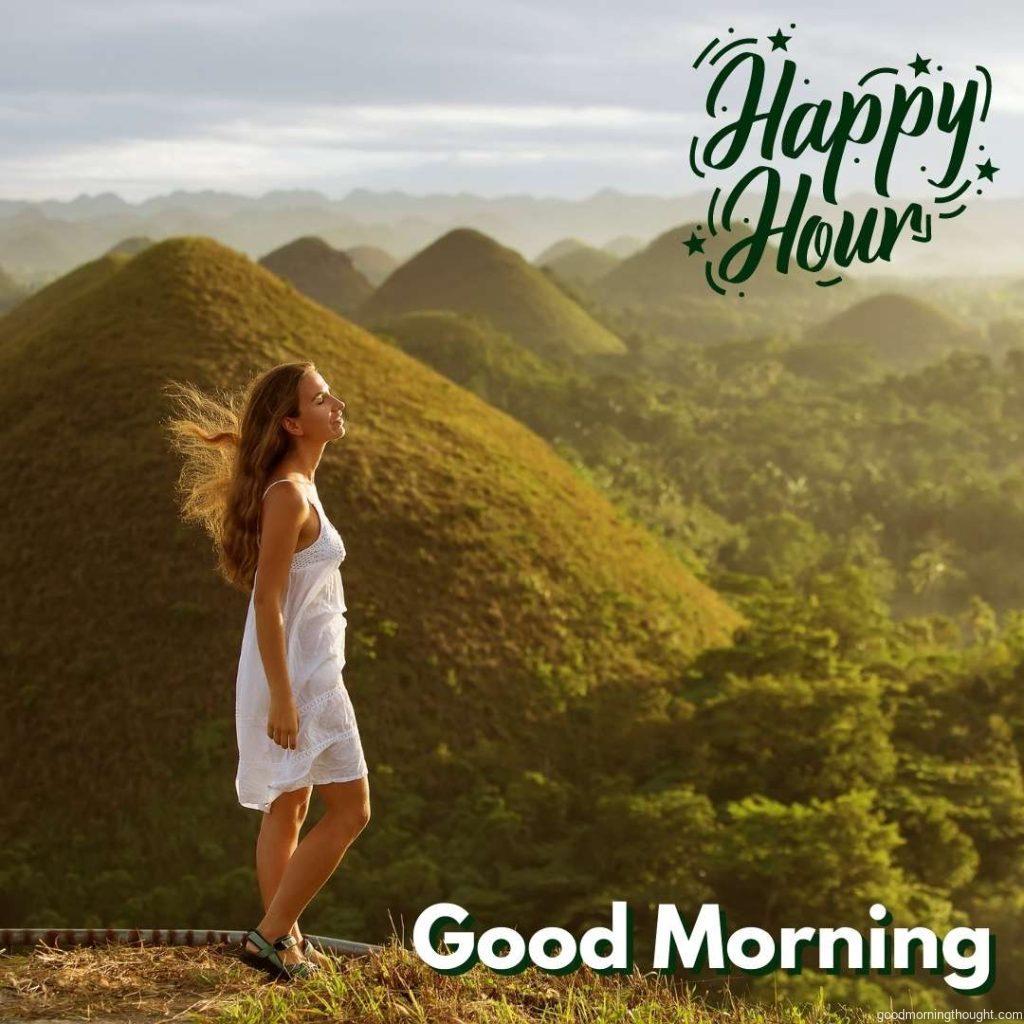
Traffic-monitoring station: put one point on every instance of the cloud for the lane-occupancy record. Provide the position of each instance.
(138, 96)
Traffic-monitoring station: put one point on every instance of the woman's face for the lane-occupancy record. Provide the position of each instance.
(320, 412)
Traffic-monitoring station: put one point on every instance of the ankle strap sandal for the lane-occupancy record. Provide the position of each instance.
(311, 965)
(269, 956)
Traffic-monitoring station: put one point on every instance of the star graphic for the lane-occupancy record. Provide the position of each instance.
(986, 170)
(920, 65)
(779, 41)
(694, 243)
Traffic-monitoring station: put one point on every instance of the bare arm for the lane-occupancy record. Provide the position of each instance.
(285, 509)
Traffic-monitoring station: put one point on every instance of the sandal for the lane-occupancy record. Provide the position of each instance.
(308, 967)
(268, 958)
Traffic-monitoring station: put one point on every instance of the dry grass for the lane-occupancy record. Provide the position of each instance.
(134, 984)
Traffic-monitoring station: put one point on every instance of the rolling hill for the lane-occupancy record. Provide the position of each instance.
(562, 247)
(132, 245)
(11, 293)
(664, 271)
(581, 266)
(623, 246)
(472, 353)
(488, 588)
(468, 272)
(663, 288)
(885, 332)
(372, 262)
(324, 274)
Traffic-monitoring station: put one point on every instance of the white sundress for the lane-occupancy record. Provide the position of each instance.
(328, 747)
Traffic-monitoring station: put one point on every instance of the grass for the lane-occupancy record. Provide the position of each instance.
(484, 556)
(209, 984)
(468, 272)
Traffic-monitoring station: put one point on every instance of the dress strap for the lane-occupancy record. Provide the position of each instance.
(283, 479)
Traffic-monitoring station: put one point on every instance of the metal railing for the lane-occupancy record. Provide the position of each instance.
(17, 937)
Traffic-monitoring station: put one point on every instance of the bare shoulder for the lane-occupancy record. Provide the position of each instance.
(285, 509)
(284, 485)
(285, 500)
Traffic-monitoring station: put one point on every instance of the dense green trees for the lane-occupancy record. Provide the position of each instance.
(862, 740)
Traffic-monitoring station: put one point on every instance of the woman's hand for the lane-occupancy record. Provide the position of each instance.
(283, 723)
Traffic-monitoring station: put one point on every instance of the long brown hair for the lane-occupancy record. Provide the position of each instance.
(231, 443)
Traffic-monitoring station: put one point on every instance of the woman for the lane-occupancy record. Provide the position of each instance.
(249, 479)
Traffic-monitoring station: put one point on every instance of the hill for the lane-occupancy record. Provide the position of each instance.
(324, 274)
(131, 246)
(372, 262)
(117, 984)
(37, 313)
(664, 271)
(623, 246)
(560, 248)
(469, 351)
(663, 288)
(488, 587)
(582, 266)
(11, 293)
(468, 272)
(885, 332)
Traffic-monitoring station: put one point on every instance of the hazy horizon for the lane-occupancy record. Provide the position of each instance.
(437, 193)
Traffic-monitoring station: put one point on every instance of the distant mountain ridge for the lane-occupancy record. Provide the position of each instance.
(51, 237)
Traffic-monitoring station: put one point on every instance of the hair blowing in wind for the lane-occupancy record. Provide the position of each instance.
(230, 444)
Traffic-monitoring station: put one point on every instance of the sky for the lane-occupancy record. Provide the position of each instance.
(557, 98)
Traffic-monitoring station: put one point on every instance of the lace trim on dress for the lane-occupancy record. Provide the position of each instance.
(321, 700)
(327, 741)
(318, 702)
(309, 556)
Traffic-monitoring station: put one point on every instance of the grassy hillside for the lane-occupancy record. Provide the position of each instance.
(664, 270)
(392, 983)
(470, 352)
(623, 246)
(372, 262)
(583, 265)
(487, 587)
(662, 288)
(560, 248)
(326, 275)
(468, 272)
(11, 293)
(42, 308)
(888, 331)
(132, 246)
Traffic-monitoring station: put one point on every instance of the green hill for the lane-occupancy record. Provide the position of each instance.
(582, 266)
(623, 246)
(325, 274)
(131, 246)
(372, 262)
(664, 271)
(488, 587)
(469, 351)
(885, 332)
(11, 293)
(468, 272)
(37, 313)
(558, 249)
(663, 288)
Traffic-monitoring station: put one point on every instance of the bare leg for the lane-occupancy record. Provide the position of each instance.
(278, 838)
(319, 853)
